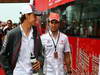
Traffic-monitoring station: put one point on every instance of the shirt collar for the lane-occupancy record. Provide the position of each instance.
(30, 34)
(51, 32)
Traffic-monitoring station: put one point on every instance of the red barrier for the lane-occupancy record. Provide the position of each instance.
(90, 45)
(2, 71)
(85, 55)
(73, 44)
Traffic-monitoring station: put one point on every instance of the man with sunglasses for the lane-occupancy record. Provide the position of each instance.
(57, 49)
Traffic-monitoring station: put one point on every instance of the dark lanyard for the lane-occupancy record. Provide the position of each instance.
(55, 45)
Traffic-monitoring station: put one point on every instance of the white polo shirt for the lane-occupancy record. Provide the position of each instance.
(53, 66)
(23, 65)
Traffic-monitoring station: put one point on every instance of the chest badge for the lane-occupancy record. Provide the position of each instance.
(56, 55)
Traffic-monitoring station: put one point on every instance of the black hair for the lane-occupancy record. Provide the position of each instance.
(23, 17)
(9, 21)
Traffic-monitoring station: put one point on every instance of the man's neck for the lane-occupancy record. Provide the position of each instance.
(26, 28)
(55, 34)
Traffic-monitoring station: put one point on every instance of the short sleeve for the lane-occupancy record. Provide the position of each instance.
(66, 45)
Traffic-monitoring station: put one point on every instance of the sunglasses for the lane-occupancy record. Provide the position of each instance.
(54, 22)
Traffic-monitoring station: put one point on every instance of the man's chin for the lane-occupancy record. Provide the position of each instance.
(54, 30)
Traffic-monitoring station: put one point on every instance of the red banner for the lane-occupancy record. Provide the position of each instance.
(43, 5)
(55, 3)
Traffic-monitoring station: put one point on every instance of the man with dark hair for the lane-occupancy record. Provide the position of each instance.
(8, 27)
(21, 52)
(57, 49)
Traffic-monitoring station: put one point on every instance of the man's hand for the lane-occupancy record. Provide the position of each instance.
(67, 62)
(69, 71)
(37, 65)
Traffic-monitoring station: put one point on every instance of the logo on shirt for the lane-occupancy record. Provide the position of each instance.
(49, 45)
(62, 42)
(48, 41)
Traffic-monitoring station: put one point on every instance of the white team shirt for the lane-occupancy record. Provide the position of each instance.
(53, 66)
(23, 65)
